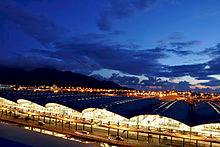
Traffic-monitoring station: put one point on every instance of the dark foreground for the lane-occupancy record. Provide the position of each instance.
(12, 135)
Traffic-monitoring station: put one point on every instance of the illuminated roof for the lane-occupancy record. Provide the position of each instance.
(189, 114)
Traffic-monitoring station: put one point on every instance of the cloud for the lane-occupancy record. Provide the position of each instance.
(31, 61)
(176, 36)
(194, 70)
(184, 44)
(159, 84)
(214, 65)
(104, 23)
(179, 48)
(198, 71)
(125, 80)
(120, 9)
(174, 44)
(94, 55)
(212, 83)
(212, 51)
(180, 52)
(205, 77)
(38, 27)
(88, 52)
(84, 53)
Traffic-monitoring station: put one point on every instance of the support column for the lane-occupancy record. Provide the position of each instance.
(183, 142)
(171, 140)
(127, 129)
(83, 124)
(118, 130)
(159, 138)
(91, 125)
(108, 128)
(76, 123)
(62, 124)
(137, 127)
(148, 136)
(190, 131)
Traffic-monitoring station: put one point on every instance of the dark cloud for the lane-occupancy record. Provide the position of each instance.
(175, 45)
(117, 32)
(97, 55)
(180, 52)
(176, 36)
(31, 61)
(212, 51)
(194, 70)
(152, 81)
(184, 44)
(165, 85)
(83, 53)
(205, 77)
(38, 27)
(125, 80)
(183, 86)
(212, 83)
(148, 84)
(214, 65)
(119, 9)
(104, 23)
(88, 52)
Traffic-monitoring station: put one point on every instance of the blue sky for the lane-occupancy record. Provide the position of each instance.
(176, 40)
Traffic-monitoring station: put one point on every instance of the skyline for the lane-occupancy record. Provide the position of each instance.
(164, 43)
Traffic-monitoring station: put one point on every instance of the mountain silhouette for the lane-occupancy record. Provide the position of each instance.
(46, 76)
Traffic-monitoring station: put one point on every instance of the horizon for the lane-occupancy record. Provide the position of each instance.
(141, 44)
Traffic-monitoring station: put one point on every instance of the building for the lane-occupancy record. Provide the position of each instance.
(144, 115)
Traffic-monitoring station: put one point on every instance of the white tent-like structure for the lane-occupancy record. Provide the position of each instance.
(26, 105)
(207, 129)
(60, 110)
(7, 103)
(103, 115)
(157, 121)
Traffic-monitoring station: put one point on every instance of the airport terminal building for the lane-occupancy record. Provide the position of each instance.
(198, 120)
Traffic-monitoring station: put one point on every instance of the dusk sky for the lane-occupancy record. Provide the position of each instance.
(159, 43)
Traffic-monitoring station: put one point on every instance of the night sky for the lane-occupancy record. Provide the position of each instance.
(144, 43)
